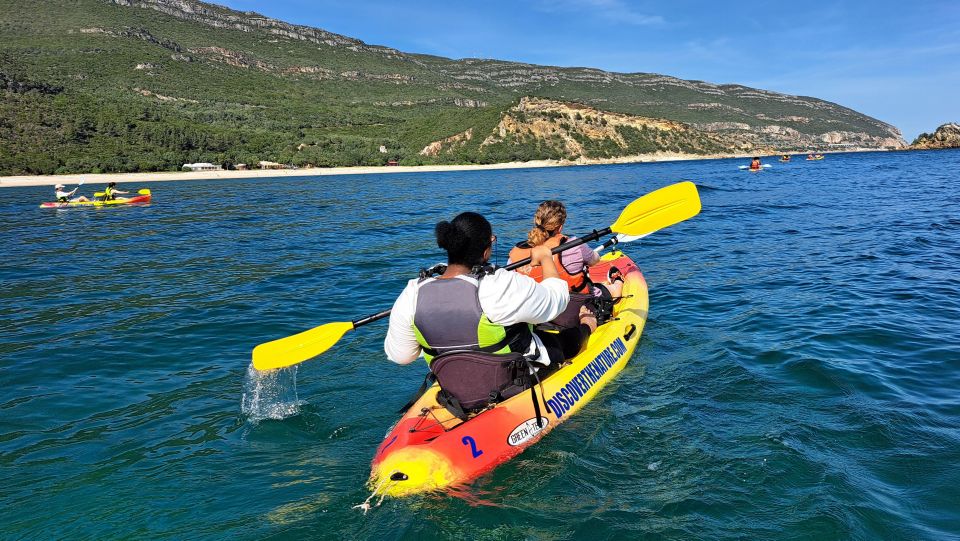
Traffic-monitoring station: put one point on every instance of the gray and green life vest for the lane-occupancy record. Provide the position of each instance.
(448, 317)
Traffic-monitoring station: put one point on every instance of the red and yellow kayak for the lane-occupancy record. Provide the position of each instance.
(142, 198)
(430, 449)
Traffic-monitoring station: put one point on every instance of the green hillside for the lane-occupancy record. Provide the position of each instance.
(145, 85)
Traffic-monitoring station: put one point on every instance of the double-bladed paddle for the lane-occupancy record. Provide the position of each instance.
(145, 191)
(619, 239)
(656, 210)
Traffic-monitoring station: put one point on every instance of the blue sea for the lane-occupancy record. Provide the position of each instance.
(798, 377)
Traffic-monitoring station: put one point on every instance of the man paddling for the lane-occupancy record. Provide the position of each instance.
(64, 196)
(755, 164)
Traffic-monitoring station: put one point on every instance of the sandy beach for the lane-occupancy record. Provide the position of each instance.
(137, 178)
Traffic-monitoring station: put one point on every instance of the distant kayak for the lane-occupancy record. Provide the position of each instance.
(814, 159)
(754, 170)
(142, 198)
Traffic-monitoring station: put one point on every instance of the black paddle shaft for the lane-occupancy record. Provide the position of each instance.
(370, 318)
(596, 234)
(565, 246)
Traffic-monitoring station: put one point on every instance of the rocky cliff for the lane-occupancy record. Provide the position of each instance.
(222, 17)
(575, 131)
(946, 136)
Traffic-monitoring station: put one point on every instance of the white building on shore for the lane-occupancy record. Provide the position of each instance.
(202, 166)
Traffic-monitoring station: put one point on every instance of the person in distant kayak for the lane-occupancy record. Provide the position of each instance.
(64, 196)
(810, 157)
(111, 191)
(785, 158)
(755, 164)
(471, 307)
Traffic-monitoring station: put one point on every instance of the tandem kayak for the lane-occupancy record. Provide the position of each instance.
(431, 449)
(142, 198)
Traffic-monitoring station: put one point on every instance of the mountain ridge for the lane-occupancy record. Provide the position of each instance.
(152, 84)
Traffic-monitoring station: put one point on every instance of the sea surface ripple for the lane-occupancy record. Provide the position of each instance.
(798, 378)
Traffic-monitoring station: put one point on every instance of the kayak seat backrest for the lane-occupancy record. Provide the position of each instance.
(471, 380)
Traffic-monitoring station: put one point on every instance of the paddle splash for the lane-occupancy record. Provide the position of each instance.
(270, 394)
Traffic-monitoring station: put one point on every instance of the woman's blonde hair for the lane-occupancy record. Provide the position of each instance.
(548, 219)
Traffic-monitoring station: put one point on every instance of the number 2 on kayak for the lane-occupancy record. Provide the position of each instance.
(468, 440)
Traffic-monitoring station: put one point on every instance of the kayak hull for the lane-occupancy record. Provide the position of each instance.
(136, 200)
(429, 449)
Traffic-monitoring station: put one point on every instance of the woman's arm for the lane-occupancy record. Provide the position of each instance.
(401, 344)
(509, 297)
(541, 256)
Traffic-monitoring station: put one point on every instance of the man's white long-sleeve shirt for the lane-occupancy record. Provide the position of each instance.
(506, 297)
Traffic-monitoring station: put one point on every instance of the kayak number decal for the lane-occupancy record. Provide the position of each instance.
(468, 440)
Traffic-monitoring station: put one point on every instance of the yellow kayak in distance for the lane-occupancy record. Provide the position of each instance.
(143, 197)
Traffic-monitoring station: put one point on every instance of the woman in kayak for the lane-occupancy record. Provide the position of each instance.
(110, 193)
(469, 307)
(571, 263)
(64, 196)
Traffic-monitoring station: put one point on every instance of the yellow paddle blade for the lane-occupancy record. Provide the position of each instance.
(144, 192)
(98, 194)
(659, 209)
(299, 347)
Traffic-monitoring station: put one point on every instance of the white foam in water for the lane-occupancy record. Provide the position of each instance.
(270, 394)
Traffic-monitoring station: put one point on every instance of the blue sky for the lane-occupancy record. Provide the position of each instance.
(896, 61)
